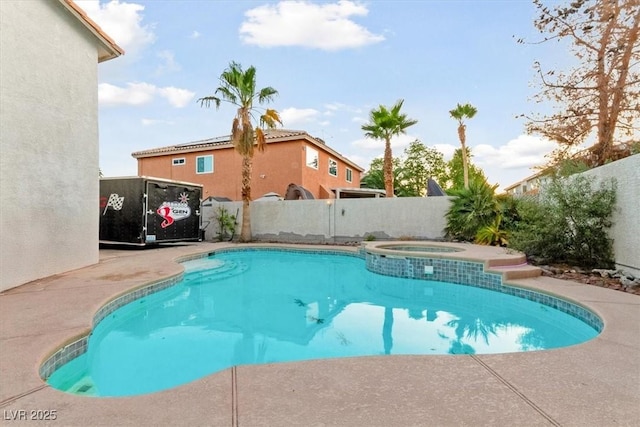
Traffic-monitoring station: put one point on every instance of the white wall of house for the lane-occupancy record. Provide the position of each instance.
(341, 220)
(48, 142)
(626, 218)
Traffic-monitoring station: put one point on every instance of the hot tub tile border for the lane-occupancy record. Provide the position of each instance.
(470, 273)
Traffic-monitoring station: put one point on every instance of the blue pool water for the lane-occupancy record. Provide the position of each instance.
(251, 307)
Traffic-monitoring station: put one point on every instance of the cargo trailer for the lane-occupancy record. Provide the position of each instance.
(144, 210)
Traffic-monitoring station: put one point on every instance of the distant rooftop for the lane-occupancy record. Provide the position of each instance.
(271, 136)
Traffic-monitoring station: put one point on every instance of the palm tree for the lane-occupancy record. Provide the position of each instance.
(461, 112)
(238, 87)
(384, 124)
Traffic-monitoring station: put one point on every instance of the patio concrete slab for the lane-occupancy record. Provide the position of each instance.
(378, 391)
(593, 384)
(205, 403)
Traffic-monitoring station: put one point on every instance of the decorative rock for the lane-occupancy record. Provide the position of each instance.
(604, 272)
(547, 271)
(626, 282)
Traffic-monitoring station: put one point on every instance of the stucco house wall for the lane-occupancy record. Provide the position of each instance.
(283, 162)
(49, 141)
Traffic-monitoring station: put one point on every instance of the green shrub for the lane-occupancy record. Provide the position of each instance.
(568, 222)
(493, 234)
(471, 210)
(226, 224)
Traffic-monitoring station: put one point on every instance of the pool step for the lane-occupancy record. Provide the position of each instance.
(515, 272)
(220, 271)
(84, 386)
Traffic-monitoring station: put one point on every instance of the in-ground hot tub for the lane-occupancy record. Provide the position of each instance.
(417, 247)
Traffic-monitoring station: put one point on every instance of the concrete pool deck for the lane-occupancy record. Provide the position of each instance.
(592, 384)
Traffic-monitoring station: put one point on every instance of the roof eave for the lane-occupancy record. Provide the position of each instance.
(108, 48)
(328, 149)
(294, 136)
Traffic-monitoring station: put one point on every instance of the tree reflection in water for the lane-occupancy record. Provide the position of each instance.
(387, 329)
(471, 328)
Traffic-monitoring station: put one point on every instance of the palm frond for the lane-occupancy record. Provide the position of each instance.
(227, 94)
(466, 111)
(248, 85)
(208, 100)
(236, 131)
(270, 119)
(260, 139)
(266, 94)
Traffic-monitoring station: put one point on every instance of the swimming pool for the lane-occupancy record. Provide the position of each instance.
(263, 306)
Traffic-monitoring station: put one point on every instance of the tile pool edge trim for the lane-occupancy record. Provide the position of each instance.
(76, 346)
(474, 273)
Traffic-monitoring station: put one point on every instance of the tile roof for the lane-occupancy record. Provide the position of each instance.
(271, 135)
(109, 49)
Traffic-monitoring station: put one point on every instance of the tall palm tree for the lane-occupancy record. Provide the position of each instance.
(461, 112)
(384, 124)
(238, 87)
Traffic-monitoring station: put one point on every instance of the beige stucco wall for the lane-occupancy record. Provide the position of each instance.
(626, 218)
(341, 220)
(48, 142)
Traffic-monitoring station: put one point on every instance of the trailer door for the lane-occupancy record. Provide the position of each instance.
(173, 212)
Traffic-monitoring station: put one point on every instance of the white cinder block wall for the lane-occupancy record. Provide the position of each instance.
(626, 228)
(48, 142)
(341, 220)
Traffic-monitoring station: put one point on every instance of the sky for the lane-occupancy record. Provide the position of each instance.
(331, 62)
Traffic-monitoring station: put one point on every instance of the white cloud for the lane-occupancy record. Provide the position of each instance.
(195, 35)
(291, 117)
(338, 106)
(323, 26)
(122, 21)
(133, 94)
(525, 151)
(360, 160)
(177, 97)
(168, 64)
(446, 150)
(141, 93)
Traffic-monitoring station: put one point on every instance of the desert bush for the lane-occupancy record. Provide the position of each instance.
(568, 222)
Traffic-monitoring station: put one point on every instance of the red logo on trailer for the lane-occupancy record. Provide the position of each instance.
(174, 211)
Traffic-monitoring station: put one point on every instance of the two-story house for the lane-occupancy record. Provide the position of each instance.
(290, 157)
(529, 185)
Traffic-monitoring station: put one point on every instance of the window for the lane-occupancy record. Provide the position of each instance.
(312, 158)
(204, 164)
(333, 167)
(349, 174)
(178, 162)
